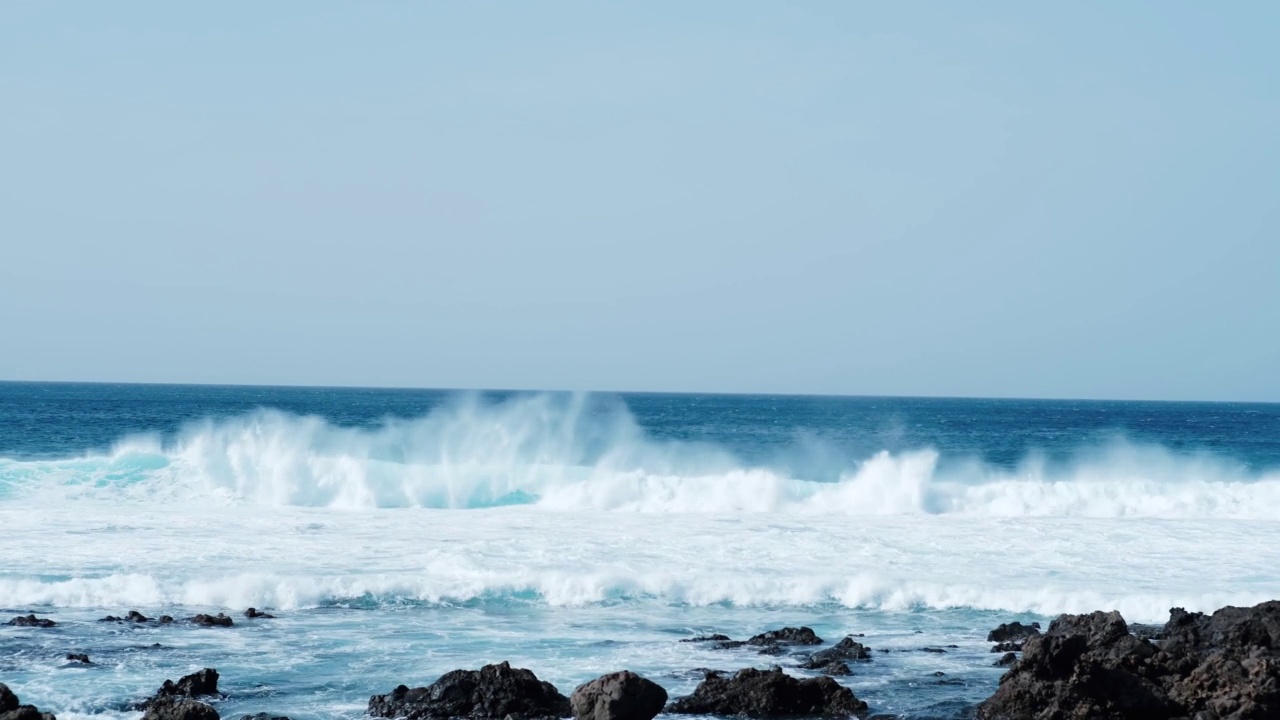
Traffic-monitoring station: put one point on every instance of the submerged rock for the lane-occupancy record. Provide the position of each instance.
(708, 638)
(1091, 666)
(767, 694)
(31, 621)
(847, 650)
(838, 668)
(12, 709)
(494, 691)
(1013, 631)
(1006, 660)
(79, 657)
(618, 696)
(263, 716)
(1006, 647)
(203, 620)
(254, 613)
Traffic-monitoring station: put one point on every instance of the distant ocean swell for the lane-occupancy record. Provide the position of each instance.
(550, 453)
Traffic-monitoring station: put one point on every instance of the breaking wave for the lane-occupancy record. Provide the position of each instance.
(556, 452)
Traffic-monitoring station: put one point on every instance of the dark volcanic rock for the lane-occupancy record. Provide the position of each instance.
(493, 691)
(1006, 660)
(1006, 647)
(172, 708)
(263, 716)
(165, 619)
(935, 650)
(203, 683)
(709, 638)
(767, 694)
(12, 709)
(203, 620)
(847, 650)
(835, 669)
(254, 613)
(31, 621)
(618, 696)
(1214, 667)
(1013, 631)
(79, 657)
(786, 636)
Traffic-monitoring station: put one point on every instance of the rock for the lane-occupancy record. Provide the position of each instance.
(493, 691)
(835, 669)
(203, 683)
(847, 650)
(935, 650)
(254, 613)
(786, 636)
(1205, 667)
(709, 638)
(767, 694)
(165, 619)
(79, 657)
(171, 708)
(1007, 647)
(204, 620)
(1013, 631)
(263, 716)
(618, 696)
(12, 709)
(111, 618)
(135, 616)
(31, 621)
(1006, 660)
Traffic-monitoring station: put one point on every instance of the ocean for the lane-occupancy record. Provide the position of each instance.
(399, 534)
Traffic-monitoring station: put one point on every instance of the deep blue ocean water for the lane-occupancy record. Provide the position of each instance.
(398, 534)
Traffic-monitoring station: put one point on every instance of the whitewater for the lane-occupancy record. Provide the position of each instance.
(401, 534)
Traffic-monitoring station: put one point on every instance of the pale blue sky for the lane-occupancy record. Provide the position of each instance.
(1000, 199)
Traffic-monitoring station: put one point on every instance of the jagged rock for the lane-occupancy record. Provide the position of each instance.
(203, 683)
(708, 638)
(618, 696)
(493, 691)
(263, 716)
(1006, 647)
(31, 621)
(1006, 660)
(203, 620)
(79, 657)
(835, 669)
(172, 708)
(253, 613)
(1013, 631)
(786, 636)
(12, 709)
(1216, 667)
(847, 650)
(768, 694)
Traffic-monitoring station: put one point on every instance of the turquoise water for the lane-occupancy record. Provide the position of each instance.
(400, 534)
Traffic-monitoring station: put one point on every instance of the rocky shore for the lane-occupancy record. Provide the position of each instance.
(1222, 666)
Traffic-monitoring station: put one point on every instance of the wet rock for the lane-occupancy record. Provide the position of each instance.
(254, 613)
(173, 708)
(31, 621)
(786, 636)
(12, 709)
(847, 650)
(1144, 631)
(494, 691)
(219, 620)
(203, 683)
(618, 696)
(1006, 660)
(717, 637)
(135, 616)
(1006, 647)
(79, 657)
(1013, 631)
(165, 619)
(768, 694)
(835, 669)
(935, 650)
(1223, 666)
(263, 716)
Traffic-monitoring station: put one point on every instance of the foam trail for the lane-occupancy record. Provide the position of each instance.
(567, 453)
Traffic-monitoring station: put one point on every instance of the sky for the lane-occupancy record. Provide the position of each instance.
(962, 199)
